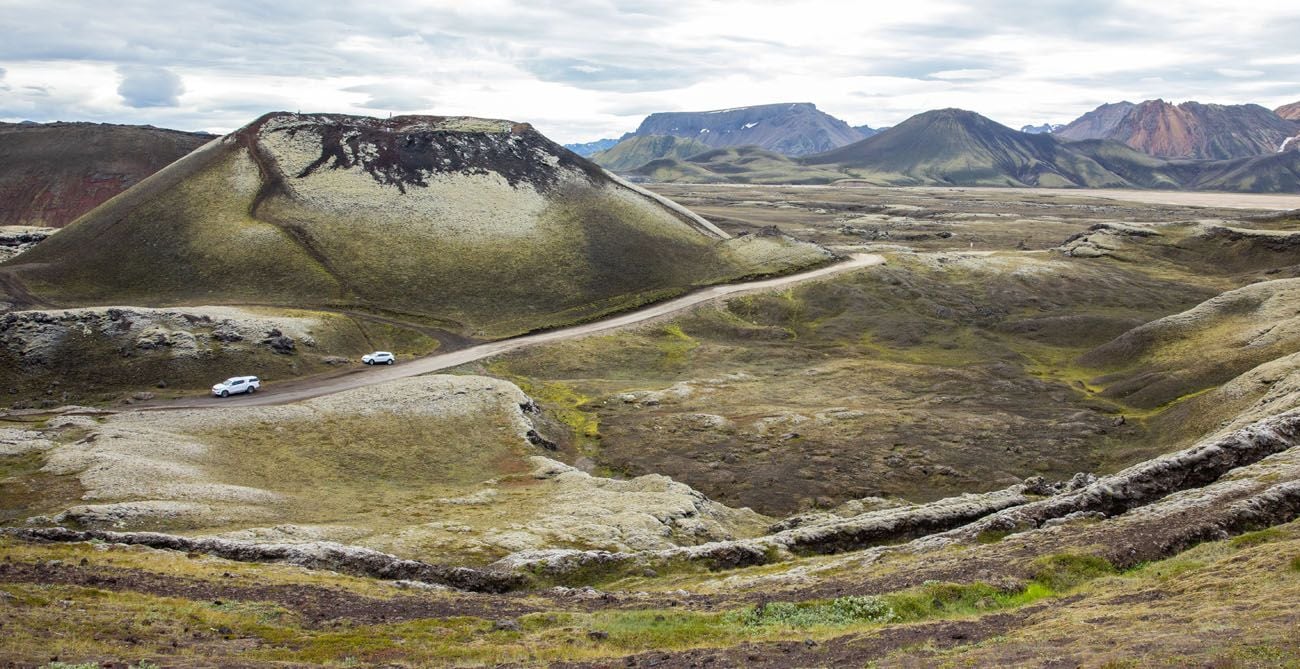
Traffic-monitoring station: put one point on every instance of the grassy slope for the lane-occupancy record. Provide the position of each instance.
(746, 164)
(634, 152)
(183, 237)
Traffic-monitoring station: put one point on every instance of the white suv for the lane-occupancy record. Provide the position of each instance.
(378, 358)
(237, 384)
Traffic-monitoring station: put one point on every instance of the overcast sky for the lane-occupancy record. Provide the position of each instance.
(587, 69)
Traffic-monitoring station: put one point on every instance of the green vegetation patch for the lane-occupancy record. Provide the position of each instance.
(1260, 537)
(1066, 570)
(379, 469)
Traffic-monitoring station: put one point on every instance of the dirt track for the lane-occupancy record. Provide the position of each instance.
(293, 391)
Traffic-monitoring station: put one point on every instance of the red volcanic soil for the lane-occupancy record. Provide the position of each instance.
(52, 173)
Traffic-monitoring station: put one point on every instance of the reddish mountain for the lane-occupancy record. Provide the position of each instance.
(1290, 112)
(52, 173)
(1188, 130)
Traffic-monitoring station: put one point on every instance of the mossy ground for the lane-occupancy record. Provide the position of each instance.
(899, 381)
(1075, 606)
(933, 375)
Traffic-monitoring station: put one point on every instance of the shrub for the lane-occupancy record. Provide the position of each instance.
(1064, 571)
(1295, 563)
(835, 612)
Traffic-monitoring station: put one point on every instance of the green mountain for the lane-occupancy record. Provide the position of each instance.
(481, 227)
(957, 147)
(744, 164)
(638, 150)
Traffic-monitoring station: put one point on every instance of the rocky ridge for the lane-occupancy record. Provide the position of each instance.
(1188, 130)
(33, 336)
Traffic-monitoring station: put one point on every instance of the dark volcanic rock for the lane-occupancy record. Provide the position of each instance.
(318, 555)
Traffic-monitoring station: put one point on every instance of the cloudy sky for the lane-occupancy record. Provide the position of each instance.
(585, 69)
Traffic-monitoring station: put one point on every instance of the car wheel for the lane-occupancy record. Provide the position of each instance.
(225, 393)
(370, 362)
(390, 362)
(252, 389)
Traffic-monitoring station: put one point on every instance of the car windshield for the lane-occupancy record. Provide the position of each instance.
(230, 381)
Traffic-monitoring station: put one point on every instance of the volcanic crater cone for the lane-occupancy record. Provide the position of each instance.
(482, 227)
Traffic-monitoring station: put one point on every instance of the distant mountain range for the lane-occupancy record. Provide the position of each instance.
(586, 149)
(953, 147)
(52, 173)
(786, 129)
(1187, 130)
(1043, 129)
(792, 129)
(637, 150)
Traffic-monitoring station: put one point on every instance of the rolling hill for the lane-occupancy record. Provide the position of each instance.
(744, 164)
(1188, 130)
(792, 129)
(52, 173)
(481, 227)
(638, 150)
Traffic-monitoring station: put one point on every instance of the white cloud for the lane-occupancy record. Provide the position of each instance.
(963, 75)
(1236, 73)
(593, 68)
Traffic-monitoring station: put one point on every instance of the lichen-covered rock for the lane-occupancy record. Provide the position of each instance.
(33, 336)
(15, 239)
(830, 534)
(313, 555)
(1147, 482)
(18, 442)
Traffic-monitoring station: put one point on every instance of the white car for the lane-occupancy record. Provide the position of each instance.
(378, 358)
(237, 384)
